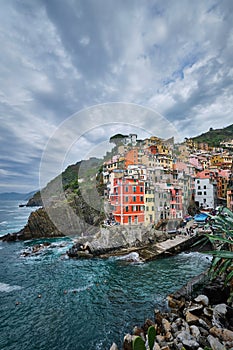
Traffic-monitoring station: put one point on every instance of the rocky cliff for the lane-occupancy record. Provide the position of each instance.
(70, 204)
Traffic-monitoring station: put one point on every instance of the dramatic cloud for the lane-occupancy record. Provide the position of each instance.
(60, 57)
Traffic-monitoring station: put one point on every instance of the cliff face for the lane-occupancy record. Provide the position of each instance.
(39, 225)
(69, 207)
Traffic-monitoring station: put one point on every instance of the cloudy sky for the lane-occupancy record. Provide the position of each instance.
(59, 58)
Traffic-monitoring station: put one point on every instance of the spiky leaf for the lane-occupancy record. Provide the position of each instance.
(138, 344)
(151, 336)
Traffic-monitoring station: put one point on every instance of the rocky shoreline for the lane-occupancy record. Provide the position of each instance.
(203, 322)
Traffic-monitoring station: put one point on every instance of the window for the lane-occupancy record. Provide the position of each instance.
(141, 189)
(204, 193)
(198, 187)
(126, 189)
(198, 181)
(152, 208)
(147, 208)
(134, 198)
(127, 209)
(141, 198)
(204, 187)
(126, 198)
(134, 208)
(142, 207)
(199, 193)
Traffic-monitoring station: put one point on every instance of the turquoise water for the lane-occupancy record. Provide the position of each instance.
(84, 304)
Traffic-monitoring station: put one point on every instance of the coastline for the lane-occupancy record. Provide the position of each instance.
(193, 320)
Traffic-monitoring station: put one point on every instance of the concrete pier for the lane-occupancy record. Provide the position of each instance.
(158, 250)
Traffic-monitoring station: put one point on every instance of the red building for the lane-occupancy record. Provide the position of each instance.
(127, 201)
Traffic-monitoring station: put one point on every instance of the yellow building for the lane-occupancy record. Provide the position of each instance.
(216, 159)
(162, 149)
(149, 206)
(164, 161)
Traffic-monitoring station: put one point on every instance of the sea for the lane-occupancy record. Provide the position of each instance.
(51, 302)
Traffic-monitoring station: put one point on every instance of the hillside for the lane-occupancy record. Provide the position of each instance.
(214, 136)
(16, 196)
(70, 204)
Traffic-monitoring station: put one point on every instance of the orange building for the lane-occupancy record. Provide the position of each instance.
(127, 201)
(131, 157)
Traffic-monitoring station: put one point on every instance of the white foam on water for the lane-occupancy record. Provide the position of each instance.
(3, 222)
(134, 256)
(81, 289)
(4, 287)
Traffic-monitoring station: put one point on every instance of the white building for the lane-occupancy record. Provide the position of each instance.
(206, 192)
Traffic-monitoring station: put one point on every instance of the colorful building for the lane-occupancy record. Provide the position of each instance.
(149, 205)
(127, 201)
(206, 190)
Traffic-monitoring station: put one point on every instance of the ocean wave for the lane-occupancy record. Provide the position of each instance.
(196, 255)
(4, 287)
(131, 257)
(3, 222)
(80, 289)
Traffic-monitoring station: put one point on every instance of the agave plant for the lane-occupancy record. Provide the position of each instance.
(221, 225)
(139, 344)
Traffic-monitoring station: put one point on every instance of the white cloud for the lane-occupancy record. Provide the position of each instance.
(175, 57)
(85, 40)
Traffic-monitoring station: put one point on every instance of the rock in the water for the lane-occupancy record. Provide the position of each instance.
(128, 340)
(114, 347)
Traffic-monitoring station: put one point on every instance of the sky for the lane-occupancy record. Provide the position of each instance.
(75, 72)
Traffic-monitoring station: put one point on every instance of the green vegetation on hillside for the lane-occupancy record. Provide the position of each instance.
(214, 136)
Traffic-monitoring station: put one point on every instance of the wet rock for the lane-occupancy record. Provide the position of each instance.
(160, 339)
(127, 344)
(203, 342)
(215, 343)
(174, 328)
(191, 319)
(195, 332)
(221, 333)
(166, 325)
(203, 331)
(208, 312)
(156, 346)
(190, 344)
(114, 347)
(147, 324)
(187, 340)
(203, 324)
(158, 317)
(138, 331)
(219, 315)
(202, 299)
(195, 309)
